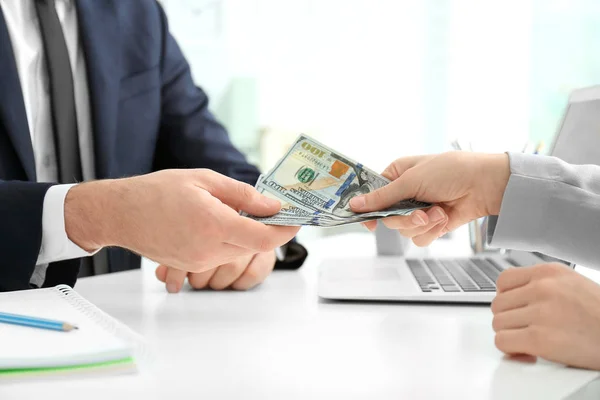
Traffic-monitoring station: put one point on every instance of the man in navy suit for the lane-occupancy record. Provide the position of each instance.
(99, 90)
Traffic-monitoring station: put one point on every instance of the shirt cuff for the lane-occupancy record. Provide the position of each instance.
(524, 213)
(280, 252)
(56, 245)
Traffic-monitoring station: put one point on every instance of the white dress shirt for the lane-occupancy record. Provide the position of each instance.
(23, 28)
(551, 207)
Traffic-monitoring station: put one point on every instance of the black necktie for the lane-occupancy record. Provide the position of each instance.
(64, 122)
(64, 115)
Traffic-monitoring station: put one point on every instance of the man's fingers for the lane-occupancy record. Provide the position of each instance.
(400, 189)
(199, 280)
(221, 254)
(226, 274)
(238, 195)
(161, 273)
(257, 271)
(174, 279)
(255, 236)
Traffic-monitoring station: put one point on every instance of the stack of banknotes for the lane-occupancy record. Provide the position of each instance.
(314, 184)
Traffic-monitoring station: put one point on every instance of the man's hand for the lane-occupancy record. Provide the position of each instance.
(241, 274)
(548, 311)
(186, 219)
(465, 186)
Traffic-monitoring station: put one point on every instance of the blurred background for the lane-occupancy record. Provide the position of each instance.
(380, 79)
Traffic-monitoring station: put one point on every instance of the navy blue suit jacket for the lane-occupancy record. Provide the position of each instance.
(146, 112)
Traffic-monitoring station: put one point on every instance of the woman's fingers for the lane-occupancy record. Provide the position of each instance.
(428, 237)
(370, 225)
(413, 228)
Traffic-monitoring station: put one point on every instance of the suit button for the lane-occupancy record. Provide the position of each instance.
(47, 161)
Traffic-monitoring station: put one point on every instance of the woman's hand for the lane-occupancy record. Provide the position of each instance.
(464, 186)
(548, 311)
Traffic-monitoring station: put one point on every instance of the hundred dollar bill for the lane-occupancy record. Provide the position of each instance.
(321, 181)
(289, 215)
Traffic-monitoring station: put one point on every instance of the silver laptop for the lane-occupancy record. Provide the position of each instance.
(468, 279)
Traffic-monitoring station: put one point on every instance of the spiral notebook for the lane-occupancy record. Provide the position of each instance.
(101, 342)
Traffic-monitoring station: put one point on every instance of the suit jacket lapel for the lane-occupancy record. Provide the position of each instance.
(13, 115)
(100, 38)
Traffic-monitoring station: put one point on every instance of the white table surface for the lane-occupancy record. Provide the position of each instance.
(280, 341)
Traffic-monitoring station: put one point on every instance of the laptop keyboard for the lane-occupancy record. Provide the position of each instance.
(456, 275)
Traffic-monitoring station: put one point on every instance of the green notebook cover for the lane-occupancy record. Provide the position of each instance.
(35, 371)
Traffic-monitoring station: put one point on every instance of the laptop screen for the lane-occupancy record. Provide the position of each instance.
(578, 139)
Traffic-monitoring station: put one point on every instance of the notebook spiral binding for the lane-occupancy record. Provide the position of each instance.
(141, 349)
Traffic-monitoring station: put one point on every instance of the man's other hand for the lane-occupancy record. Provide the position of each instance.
(242, 274)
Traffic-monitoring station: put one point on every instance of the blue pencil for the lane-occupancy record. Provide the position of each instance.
(35, 322)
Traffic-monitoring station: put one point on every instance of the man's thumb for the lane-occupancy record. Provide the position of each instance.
(254, 203)
(241, 196)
